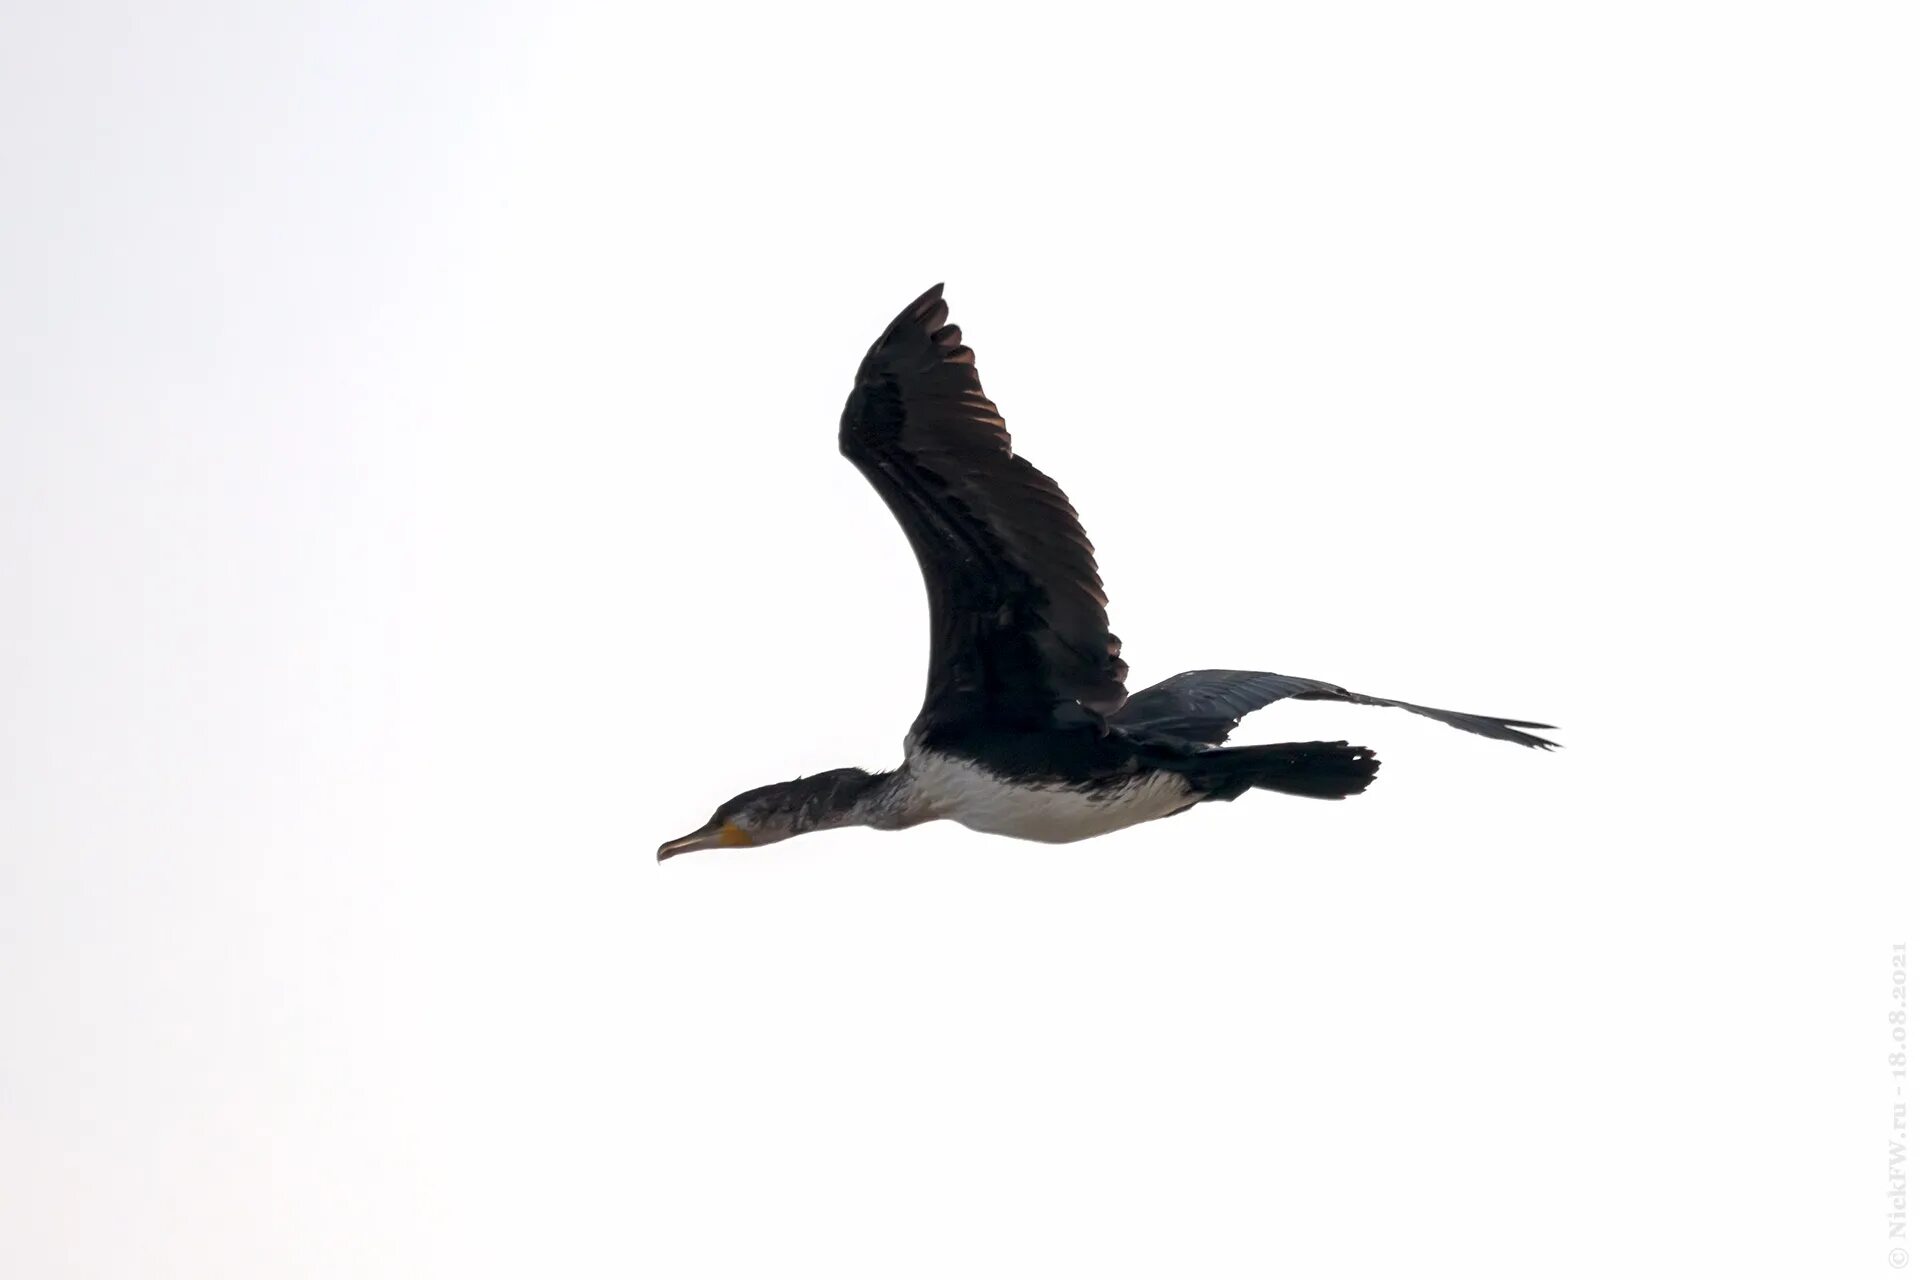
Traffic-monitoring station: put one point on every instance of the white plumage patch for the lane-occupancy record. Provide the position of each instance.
(942, 786)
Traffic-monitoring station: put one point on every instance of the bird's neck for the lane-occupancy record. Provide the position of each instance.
(882, 800)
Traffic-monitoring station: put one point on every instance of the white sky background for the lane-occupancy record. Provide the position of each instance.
(418, 498)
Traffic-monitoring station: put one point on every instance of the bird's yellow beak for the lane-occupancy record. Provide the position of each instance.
(715, 835)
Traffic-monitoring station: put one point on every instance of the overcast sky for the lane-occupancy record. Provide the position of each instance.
(419, 498)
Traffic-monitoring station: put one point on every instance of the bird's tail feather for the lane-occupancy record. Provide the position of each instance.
(1324, 770)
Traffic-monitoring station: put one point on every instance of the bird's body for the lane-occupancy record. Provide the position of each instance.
(1027, 729)
(1053, 806)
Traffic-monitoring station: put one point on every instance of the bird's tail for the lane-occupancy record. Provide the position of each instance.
(1324, 770)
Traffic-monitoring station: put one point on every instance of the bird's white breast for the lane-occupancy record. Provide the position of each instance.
(943, 786)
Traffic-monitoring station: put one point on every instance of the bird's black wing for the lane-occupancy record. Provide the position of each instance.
(1204, 706)
(1019, 620)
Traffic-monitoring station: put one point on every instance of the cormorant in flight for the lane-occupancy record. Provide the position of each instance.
(1027, 729)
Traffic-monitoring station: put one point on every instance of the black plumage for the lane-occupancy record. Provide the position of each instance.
(1019, 616)
(1026, 728)
(1205, 706)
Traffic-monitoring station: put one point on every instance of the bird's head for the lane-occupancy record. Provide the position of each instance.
(767, 815)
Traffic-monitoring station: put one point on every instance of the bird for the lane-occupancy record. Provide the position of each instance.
(1027, 729)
